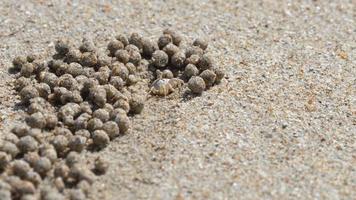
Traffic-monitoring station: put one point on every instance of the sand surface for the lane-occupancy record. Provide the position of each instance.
(282, 125)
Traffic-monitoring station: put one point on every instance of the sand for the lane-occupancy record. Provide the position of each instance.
(282, 125)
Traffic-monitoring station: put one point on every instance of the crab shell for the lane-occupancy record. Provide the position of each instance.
(161, 87)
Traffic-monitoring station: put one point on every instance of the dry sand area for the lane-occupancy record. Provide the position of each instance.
(281, 125)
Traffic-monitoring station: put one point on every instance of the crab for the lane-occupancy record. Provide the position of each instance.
(164, 87)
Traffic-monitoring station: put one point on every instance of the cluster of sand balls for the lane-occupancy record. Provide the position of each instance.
(81, 98)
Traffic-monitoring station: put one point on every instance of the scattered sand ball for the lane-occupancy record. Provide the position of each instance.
(98, 96)
(209, 77)
(101, 165)
(51, 120)
(20, 187)
(21, 130)
(136, 39)
(160, 58)
(171, 49)
(205, 63)
(28, 93)
(196, 84)
(9, 148)
(73, 158)
(101, 114)
(94, 124)
(114, 45)
(123, 104)
(178, 59)
(83, 132)
(123, 122)
(43, 89)
(193, 50)
(61, 170)
(120, 70)
(112, 129)
(76, 194)
(49, 152)
(4, 160)
(201, 43)
(77, 143)
(89, 59)
(33, 177)
(59, 184)
(80, 173)
(191, 70)
(48, 78)
(122, 38)
(21, 82)
(27, 70)
(19, 61)
(20, 168)
(73, 56)
(31, 158)
(122, 56)
(27, 144)
(164, 40)
(28, 197)
(219, 75)
(100, 139)
(60, 143)
(167, 74)
(148, 47)
(36, 120)
(176, 37)
(137, 103)
(62, 46)
(42, 166)
(48, 193)
(87, 45)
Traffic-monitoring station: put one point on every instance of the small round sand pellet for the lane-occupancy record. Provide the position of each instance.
(62, 46)
(77, 143)
(122, 38)
(60, 143)
(100, 138)
(123, 122)
(9, 148)
(171, 49)
(201, 43)
(136, 40)
(27, 70)
(74, 55)
(148, 47)
(176, 37)
(205, 62)
(160, 58)
(21, 130)
(20, 168)
(89, 59)
(178, 59)
(94, 124)
(190, 70)
(5, 160)
(112, 129)
(28, 93)
(164, 40)
(42, 166)
(27, 144)
(101, 165)
(19, 61)
(122, 56)
(209, 77)
(196, 84)
(114, 45)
